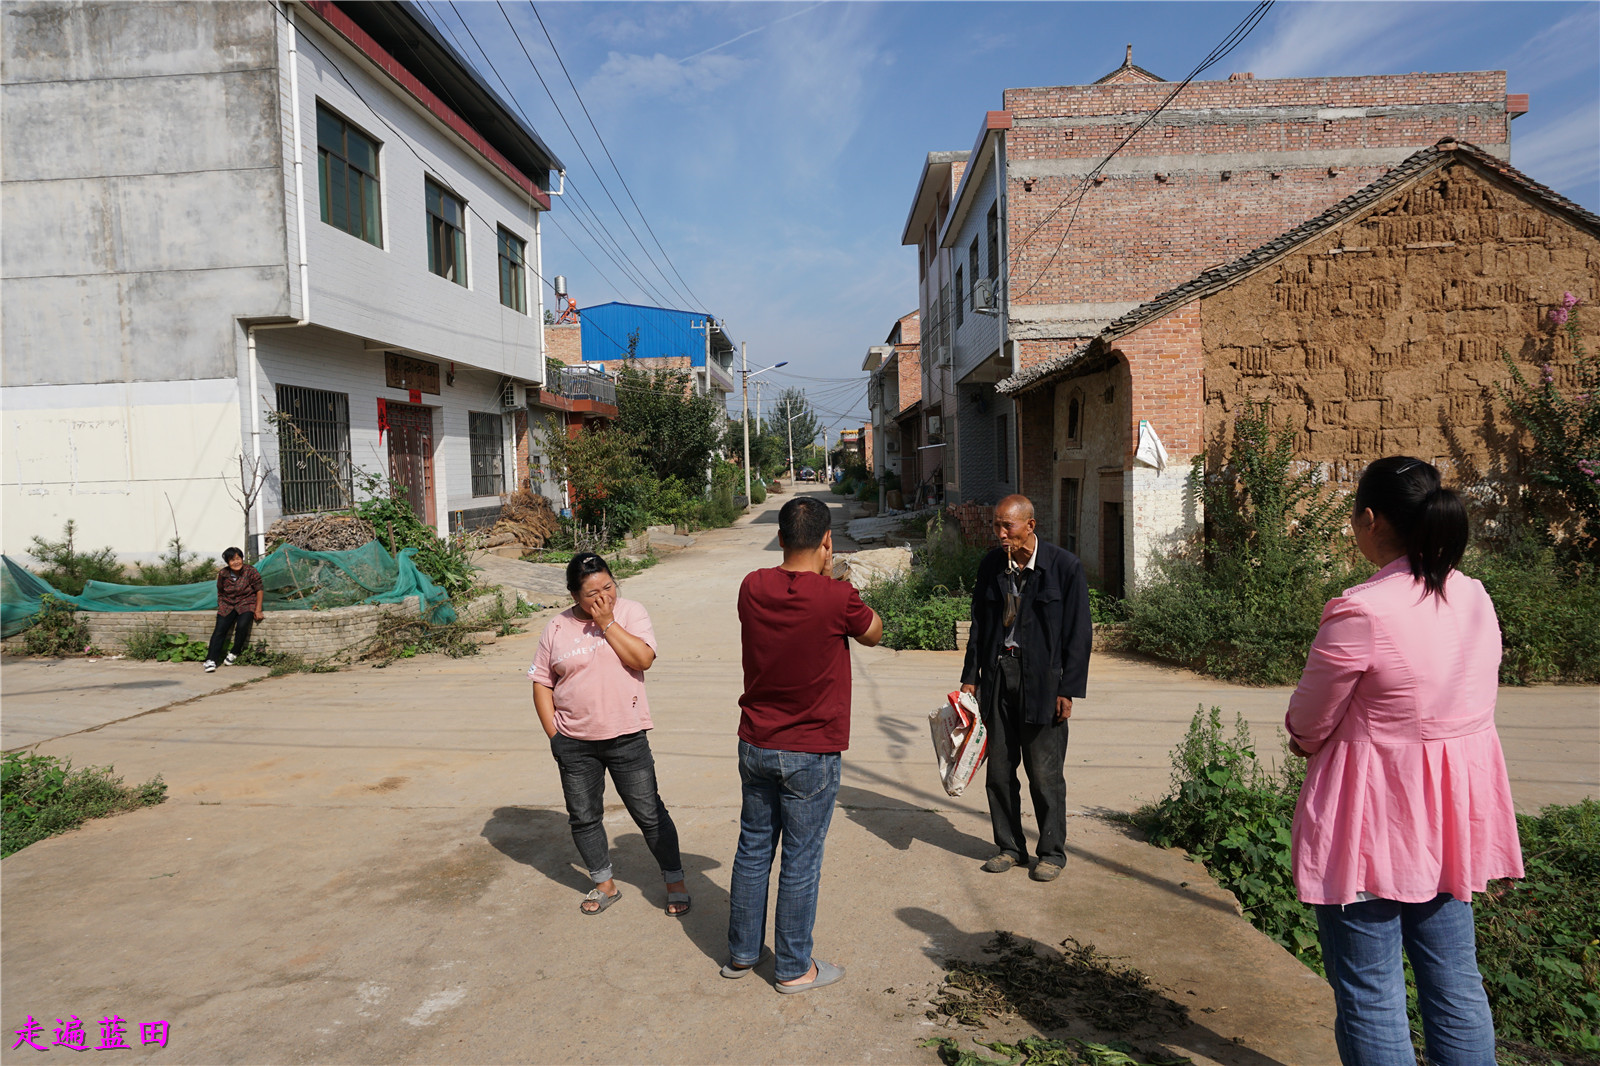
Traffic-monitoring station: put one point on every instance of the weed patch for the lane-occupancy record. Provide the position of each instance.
(1538, 938)
(1042, 1051)
(57, 631)
(43, 796)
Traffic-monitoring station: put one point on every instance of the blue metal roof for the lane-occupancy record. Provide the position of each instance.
(663, 332)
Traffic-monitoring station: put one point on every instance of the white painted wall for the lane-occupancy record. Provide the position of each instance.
(1162, 513)
(388, 294)
(131, 463)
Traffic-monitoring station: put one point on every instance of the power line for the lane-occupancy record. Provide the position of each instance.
(1234, 38)
(583, 151)
(634, 276)
(609, 158)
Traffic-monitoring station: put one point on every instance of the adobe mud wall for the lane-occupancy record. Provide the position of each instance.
(1384, 336)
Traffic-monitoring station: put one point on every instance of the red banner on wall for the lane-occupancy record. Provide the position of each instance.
(383, 418)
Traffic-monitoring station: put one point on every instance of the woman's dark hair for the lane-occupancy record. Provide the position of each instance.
(231, 554)
(582, 566)
(1429, 519)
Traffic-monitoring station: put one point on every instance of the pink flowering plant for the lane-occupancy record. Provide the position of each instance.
(1563, 426)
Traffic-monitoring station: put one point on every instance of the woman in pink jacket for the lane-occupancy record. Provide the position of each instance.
(1406, 808)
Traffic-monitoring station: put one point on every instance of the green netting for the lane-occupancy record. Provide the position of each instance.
(295, 579)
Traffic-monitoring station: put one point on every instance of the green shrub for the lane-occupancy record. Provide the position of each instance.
(1549, 614)
(1233, 814)
(758, 491)
(176, 566)
(278, 663)
(1246, 605)
(68, 569)
(916, 615)
(867, 491)
(57, 630)
(445, 560)
(43, 796)
(1538, 938)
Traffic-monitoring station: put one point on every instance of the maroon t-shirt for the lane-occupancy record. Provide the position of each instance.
(796, 660)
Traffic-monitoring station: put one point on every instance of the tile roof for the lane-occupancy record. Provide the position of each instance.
(1414, 166)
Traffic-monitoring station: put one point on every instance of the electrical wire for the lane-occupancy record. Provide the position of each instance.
(583, 151)
(648, 228)
(1234, 38)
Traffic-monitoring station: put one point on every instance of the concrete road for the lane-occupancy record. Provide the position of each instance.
(374, 866)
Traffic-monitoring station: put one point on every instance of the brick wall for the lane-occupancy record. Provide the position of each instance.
(908, 364)
(1227, 167)
(1166, 361)
(976, 521)
(564, 343)
(309, 634)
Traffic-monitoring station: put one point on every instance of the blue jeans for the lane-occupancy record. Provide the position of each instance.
(583, 765)
(1361, 944)
(788, 796)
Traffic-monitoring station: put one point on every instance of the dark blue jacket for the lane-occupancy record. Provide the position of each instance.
(1054, 631)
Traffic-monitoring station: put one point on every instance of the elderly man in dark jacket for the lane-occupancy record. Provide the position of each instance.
(1027, 660)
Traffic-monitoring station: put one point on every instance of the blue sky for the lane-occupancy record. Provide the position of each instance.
(774, 147)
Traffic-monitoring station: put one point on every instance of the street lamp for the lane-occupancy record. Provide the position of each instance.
(746, 374)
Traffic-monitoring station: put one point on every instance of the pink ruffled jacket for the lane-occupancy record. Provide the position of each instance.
(1406, 793)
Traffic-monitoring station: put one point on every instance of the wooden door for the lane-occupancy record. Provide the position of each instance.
(1111, 571)
(411, 455)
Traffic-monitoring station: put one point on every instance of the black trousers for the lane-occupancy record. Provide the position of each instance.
(1041, 750)
(238, 621)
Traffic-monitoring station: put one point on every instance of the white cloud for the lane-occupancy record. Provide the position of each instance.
(1328, 39)
(655, 22)
(625, 75)
(1564, 154)
(1556, 52)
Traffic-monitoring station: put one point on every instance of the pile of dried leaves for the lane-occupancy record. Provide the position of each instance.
(1053, 990)
(1041, 1051)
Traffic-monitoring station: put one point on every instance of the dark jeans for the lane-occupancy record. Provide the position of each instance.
(238, 621)
(788, 798)
(1042, 751)
(583, 765)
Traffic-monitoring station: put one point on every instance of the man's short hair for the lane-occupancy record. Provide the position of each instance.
(802, 523)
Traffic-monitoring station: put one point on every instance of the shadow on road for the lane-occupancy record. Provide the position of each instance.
(947, 943)
(85, 688)
(897, 824)
(539, 837)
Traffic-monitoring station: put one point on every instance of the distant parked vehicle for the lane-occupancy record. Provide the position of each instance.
(807, 474)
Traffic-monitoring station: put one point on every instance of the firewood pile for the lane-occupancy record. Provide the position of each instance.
(321, 532)
(526, 518)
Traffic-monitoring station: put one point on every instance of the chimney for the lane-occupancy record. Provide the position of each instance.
(1127, 57)
(1246, 76)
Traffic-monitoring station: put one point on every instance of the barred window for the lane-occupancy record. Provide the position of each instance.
(994, 241)
(447, 234)
(314, 449)
(513, 271)
(488, 455)
(1071, 501)
(347, 175)
(961, 299)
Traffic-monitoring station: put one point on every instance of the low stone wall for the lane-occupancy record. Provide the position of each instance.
(308, 634)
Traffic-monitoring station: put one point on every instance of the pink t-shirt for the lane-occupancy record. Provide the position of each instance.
(596, 697)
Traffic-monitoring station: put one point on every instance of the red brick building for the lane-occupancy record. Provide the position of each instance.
(894, 396)
(1046, 240)
(1375, 328)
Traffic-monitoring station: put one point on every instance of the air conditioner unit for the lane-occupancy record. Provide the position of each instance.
(510, 395)
(982, 294)
(941, 355)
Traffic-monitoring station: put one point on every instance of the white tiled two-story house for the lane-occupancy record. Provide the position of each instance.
(231, 217)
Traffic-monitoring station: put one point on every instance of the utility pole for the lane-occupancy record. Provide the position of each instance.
(744, 376)
(788, 409)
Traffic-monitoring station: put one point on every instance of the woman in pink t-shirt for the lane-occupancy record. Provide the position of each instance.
(588, 687)
(1406, 807)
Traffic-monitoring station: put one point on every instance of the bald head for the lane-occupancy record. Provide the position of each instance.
(1013, 527)
(1015, 506)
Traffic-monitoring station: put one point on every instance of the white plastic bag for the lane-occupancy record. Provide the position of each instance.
(960, 741)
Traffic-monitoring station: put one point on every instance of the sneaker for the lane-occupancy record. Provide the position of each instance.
(1000, 863)
(211, 667)
(230, 660)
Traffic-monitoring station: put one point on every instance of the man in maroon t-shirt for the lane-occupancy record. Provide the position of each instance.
(796, 620)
